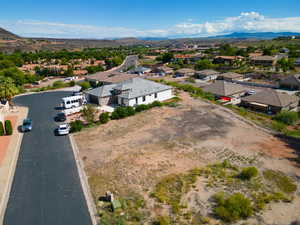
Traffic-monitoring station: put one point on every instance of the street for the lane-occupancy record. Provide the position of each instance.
(46, 189)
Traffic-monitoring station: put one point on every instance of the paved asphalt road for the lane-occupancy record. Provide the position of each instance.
(46, 188)
(131, 60)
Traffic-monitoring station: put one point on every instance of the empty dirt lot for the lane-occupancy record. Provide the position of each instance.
(133, 154)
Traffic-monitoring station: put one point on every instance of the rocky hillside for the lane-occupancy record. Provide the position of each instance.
(6, 35)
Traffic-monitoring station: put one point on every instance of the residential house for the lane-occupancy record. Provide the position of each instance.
(207, 74)
(164, 70)
(184, 72)
(108, 77)
(230, 76)
(291, 82)
(227, 59)
(132, 92)
(140, 70)
(264, 60)
(226, 91)
(271, 101)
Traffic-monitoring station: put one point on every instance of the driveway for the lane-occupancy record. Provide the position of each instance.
(46, 189)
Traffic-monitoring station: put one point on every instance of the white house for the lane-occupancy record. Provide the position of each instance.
(132, 92)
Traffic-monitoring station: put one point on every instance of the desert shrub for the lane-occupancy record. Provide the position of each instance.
(104, 117)
(141, 108)
(76, 126)
(284, 183)
(162, 220)
(286, 117)
(248, 173)
(1, 129)
(8, 127)
(88, 113)
(233, 208)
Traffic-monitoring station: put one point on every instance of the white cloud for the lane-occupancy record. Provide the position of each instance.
(245, 22)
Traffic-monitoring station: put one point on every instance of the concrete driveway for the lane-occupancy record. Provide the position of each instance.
(46, 189)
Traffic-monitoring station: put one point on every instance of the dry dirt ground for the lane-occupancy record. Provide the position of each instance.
(132, 154)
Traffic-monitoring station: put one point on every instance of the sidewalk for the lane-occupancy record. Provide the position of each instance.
(10, 148)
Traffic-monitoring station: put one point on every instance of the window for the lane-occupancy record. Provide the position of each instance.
(155, 95)
(136, 100)
(144, 98)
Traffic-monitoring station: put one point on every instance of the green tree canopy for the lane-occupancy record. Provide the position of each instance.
(7, 88)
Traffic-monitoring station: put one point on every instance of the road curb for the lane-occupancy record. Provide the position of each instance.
(11, 172)
(84, 182)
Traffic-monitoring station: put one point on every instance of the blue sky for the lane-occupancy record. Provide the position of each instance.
(116, 18)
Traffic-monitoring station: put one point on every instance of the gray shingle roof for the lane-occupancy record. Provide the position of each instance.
(102, 91)
(140, 87)
(272, 97)
(207, 72)
(223, 88)
(231, 75)
(293, 79)
(136, 87)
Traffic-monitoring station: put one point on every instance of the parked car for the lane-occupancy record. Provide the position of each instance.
(61, 117)
(63, 129)
(27, 125)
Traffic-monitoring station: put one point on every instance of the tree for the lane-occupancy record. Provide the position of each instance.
(204, 64)
(167, 57)
(8, 127)
(1, 129)
(76, 126)
(85, 85)
(285, 64)
(88, 113)
(7, 88)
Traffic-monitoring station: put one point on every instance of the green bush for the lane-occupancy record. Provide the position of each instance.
(156, 104)
(248, 173)
(286, 117)
(122, 112)
(141, 108)
(162, 220)
(233, 208)
(8, 127)
(283, 182)
(76, 126)
(104, 117)
(58, 84)
(1, 129)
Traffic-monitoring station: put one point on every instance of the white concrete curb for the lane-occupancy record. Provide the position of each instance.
(84, 182)
(11, 173)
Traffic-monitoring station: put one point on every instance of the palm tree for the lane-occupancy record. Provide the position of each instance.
(7, 88)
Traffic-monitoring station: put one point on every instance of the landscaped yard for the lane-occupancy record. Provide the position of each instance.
(165, 166)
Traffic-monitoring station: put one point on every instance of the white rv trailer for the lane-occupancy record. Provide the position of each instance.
(73, 101)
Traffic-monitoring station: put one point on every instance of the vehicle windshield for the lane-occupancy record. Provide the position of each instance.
(27, 122)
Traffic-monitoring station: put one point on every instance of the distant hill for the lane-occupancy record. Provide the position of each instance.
(259, 35)
(6, 35)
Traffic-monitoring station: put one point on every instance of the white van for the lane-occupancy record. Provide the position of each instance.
(73, 101)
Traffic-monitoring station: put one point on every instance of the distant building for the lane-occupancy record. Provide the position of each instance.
(185, 72)
(264, 60)
(226, 91)
(227, 59)
(164, 70)
(230, 76)
(271, 101)
(140, 70)
(291, 82)
(108, 77)
(207, 74)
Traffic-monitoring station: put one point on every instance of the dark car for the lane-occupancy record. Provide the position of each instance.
(61, 117)
(27, 125)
